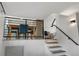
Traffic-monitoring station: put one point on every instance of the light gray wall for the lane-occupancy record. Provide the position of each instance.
(31, 47)
(1, 35)
(77, 18)
(63, 23)
(48, 22)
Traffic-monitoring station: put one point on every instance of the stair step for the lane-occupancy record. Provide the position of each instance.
(63, 55)
(58, 51)
(51, 39)
(51, 42)
(54, 46)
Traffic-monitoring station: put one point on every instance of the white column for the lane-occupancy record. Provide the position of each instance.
(1, 35)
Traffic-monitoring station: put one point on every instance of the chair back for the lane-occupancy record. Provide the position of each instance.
(23, 28)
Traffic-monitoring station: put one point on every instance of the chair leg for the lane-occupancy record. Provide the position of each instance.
(9, 35)
(17, 35)
(25, 35)
(30, 35)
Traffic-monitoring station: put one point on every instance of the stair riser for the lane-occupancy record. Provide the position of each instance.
(51, 41)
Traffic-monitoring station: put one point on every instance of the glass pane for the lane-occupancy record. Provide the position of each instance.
(12, 28)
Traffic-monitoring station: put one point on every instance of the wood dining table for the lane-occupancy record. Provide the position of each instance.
(15, 29)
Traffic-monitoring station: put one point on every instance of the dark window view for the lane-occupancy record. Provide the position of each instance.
(16, 28)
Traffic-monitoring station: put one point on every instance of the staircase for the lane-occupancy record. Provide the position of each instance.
(54, 48)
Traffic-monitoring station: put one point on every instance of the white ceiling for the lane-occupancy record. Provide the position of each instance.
(36, 9)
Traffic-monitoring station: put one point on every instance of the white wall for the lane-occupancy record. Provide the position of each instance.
(31, 47)
(1, 35)
(77, 18)
(72, 31)
(48, 22)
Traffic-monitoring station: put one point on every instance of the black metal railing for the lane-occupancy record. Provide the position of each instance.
(63, 32)
(2, 8)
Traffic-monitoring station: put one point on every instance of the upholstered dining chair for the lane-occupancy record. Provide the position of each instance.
(23, 29)
(12, 29)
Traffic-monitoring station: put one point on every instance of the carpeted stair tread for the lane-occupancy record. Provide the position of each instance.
(63, 55)
(51, 42)
(58, 51)
(54, 46)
